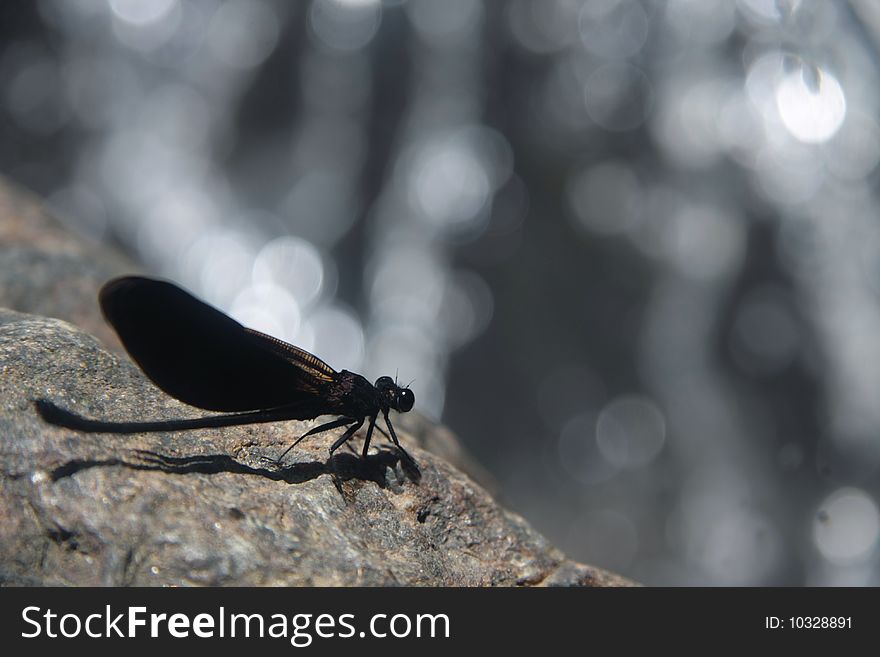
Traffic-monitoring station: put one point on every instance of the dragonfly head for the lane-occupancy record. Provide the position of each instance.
(400, 399)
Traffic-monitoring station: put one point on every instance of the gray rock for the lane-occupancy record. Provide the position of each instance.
(204, 508)
(45, 270)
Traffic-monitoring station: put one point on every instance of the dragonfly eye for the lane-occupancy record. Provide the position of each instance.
(405, 400)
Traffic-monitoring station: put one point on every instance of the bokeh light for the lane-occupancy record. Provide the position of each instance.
(847, 526)
(627, 250)
(345, 24)
(630, 431)
(811, 104)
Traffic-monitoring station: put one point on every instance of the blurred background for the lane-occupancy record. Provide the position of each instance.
(628, 251)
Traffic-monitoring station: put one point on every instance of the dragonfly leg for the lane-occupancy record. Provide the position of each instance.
(394, 438)
(323, 427)
(369, 436)
(348, 434)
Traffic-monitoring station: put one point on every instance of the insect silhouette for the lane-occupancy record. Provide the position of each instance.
(204, 358)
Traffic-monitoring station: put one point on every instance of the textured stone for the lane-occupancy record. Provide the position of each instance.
(204, 508)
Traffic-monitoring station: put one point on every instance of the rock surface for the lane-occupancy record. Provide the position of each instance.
(204, 508)
(45, 270)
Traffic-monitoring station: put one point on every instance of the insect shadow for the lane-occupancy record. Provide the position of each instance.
(342, 467)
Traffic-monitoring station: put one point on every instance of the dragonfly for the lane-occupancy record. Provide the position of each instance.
(206, 359)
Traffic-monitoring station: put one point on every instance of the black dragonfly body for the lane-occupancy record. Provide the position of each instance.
(204, 358)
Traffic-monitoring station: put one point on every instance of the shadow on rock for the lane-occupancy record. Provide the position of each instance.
(342, 467)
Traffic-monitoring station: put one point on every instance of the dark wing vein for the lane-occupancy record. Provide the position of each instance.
(316, 370)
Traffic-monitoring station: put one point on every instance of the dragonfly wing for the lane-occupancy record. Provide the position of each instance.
(199, 355)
